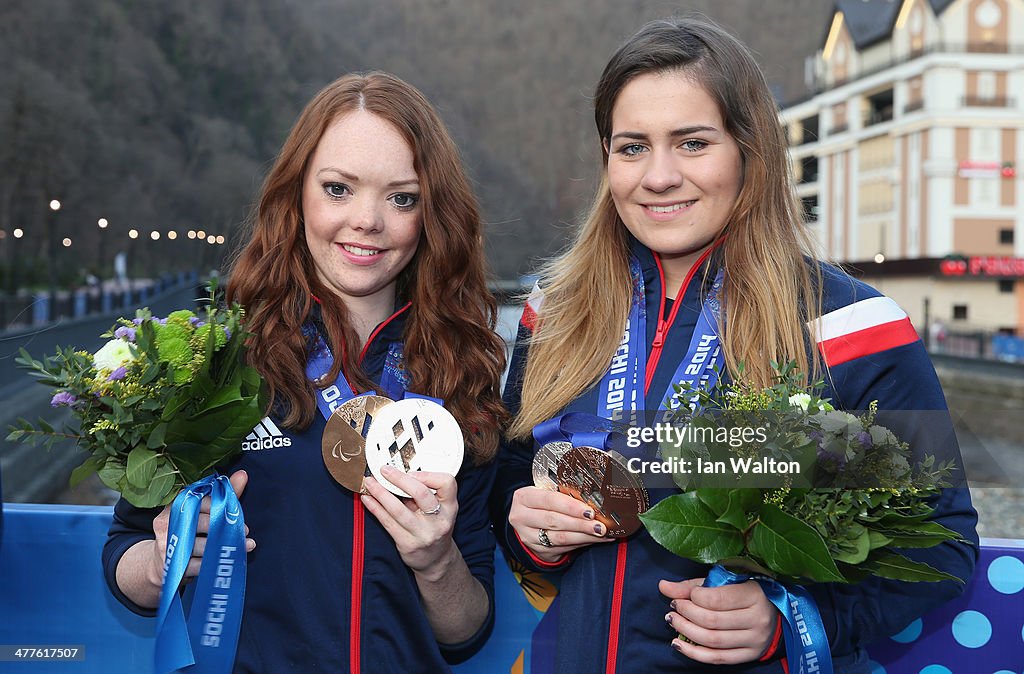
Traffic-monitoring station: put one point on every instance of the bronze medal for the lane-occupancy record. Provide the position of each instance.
(545, 464)
(602, 480)
(344, 441)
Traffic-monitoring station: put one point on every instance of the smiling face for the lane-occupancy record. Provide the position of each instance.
(361, 207)
(673, 170)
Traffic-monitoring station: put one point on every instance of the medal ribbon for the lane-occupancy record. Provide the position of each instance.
(392, 381)
(208, 641)
(620, 386)
(583, 430)
(806, 644)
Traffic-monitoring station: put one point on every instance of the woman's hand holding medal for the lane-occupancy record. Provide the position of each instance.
(552, 524)
(402, 457)
(421, 526)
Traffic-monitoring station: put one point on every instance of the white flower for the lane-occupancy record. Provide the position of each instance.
(801, 400)
(113, 355)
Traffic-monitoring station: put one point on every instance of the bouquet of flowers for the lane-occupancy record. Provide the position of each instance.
(158, 406)
(836, 498)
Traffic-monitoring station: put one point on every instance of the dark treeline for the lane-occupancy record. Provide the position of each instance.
(166, 115)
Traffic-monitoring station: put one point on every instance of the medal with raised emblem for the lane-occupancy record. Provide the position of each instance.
(601, 480)
(545, 464)
(414, 435)
(344, 441)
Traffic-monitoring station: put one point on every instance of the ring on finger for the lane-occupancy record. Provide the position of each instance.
(542, 538)
(433, 511)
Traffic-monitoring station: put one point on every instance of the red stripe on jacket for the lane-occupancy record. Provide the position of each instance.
(866, 342)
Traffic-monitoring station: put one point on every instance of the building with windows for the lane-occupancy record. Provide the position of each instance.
(907, 155)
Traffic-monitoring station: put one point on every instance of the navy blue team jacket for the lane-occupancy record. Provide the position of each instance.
(611, 616)
(326, 590)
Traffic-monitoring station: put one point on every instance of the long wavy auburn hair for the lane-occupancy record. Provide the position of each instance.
(771, 290)
(450, 348)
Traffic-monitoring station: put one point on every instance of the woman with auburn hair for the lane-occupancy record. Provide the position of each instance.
(366, 246)
(695, 240)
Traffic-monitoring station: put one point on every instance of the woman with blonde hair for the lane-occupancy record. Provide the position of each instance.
(695, 243)
(366, 257)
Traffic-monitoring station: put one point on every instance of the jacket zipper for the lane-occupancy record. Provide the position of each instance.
(359, 541)
(657, 345)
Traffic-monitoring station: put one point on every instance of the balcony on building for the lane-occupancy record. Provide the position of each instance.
(809, 130)
(808, 169)
(987, 102)
(914, 105)
(878, 107)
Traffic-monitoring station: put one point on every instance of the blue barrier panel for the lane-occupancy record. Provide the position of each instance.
(79, 306)
(41, 310)
(52, 593)
(1008, 347)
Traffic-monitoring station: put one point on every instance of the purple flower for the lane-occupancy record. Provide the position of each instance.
(118, 374)
(864, 438)
(63, 399)
(196, 323)
(137, 321)
(227, 333)
(125, 333)
(161, 321)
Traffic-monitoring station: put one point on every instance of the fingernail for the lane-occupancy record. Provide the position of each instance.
(678, 646)
(672, 604)
(668, 618)
(598, 529)
(588, 514)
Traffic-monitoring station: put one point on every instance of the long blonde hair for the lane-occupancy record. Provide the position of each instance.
(772, 287)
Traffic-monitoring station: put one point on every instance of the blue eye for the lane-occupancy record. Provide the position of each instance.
(632, 149)
(404, 201)
(336, 190)
(694, 145)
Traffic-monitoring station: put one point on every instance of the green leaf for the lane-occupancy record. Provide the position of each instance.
(791, 548)
(877, 539)
(854, 551)
(88, 467)
(898, 567)
(144, 497)
(141, 466)
(223, 396)
(112, 473)
(685, 526)
(156, 436)
(923, 535)
(732, 505)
